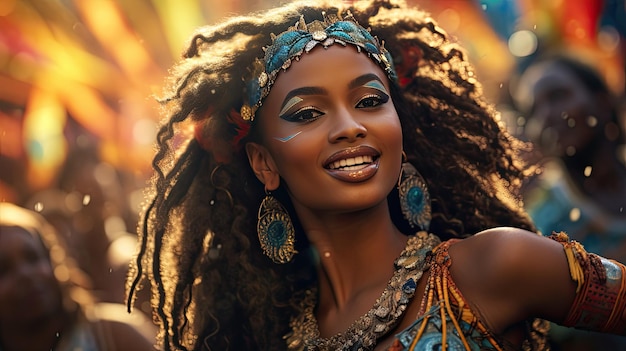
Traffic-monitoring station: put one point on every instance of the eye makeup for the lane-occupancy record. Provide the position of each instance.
(289, 104)
(376, 84)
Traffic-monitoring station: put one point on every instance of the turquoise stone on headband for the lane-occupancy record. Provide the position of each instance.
(301, 38)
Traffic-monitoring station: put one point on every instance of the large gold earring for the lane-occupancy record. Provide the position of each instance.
(275, 230)
(414, 197)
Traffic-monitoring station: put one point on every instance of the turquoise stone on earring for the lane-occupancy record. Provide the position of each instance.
(275, 230)
(414, 197)
(277, 234)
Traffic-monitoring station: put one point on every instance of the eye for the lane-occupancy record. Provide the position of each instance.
(372, 100)
(305, 114)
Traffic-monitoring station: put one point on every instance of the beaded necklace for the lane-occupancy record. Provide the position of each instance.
(364, 333)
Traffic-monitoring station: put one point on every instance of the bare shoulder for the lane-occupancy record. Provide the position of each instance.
(515, 270)
(127, 331)
(510, 255)
(128, 337)
(508, 246)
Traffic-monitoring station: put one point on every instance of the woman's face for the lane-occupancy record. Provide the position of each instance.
(565, 116)
(28, 289)
(332, 131)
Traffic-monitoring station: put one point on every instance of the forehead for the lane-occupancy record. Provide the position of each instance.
(335, 65)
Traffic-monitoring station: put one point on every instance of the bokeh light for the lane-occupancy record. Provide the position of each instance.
(523, 43)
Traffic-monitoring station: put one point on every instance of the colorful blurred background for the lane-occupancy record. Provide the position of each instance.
(82, 73)
(78, 79)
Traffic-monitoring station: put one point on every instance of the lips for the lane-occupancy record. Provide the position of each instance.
(355, 164)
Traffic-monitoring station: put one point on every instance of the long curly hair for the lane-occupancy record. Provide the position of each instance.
(212, 287)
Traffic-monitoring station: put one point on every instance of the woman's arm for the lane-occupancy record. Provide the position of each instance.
(511, 275)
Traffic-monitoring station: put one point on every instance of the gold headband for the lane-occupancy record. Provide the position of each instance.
(300, 38)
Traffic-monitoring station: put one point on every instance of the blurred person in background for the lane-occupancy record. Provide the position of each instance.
(573, 120)
(89, 207)
(45, 303)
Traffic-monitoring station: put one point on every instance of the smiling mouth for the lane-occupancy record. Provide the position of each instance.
(351, 163)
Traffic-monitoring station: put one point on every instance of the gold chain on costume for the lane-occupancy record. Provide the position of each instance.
(378, 321)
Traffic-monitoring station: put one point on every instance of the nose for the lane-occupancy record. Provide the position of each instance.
(346, 127)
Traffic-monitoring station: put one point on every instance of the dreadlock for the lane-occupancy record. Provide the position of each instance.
(212, 287)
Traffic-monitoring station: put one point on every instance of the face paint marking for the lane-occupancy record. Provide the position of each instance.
(287, 138)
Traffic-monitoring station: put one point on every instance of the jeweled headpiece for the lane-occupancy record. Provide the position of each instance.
(300, 38)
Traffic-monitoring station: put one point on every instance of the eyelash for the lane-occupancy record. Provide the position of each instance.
(298, 116)
(378, 100)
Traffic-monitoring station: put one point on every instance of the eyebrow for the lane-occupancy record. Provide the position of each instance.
(361, 80)
(303, 91)
(358, 81)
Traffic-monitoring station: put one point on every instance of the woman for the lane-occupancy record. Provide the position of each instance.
(43, 302)
(573, 119)
(319, 130)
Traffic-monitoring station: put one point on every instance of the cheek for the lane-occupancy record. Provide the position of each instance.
(390, 128)
(297, 153)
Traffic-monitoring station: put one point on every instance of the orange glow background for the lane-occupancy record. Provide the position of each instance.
(75, 72)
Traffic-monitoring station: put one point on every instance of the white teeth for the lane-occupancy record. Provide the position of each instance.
(351, 168)
(352, 163)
